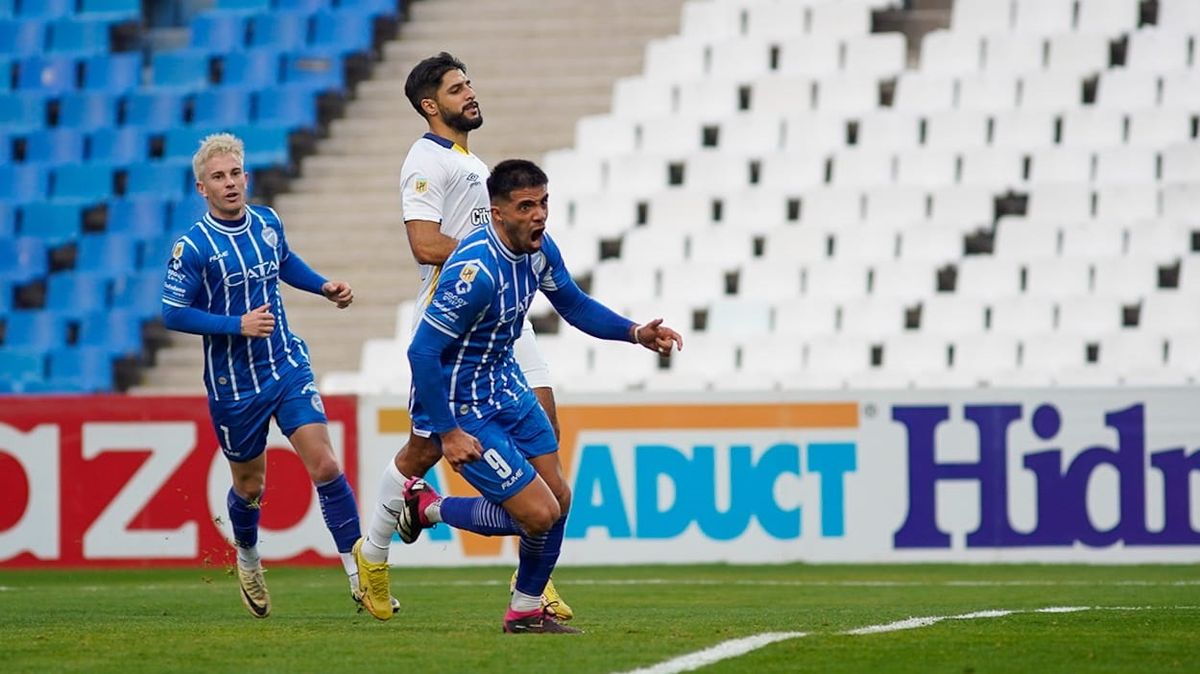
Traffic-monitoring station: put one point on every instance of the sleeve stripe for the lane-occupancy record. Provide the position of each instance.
(174, 304)
(446, 330)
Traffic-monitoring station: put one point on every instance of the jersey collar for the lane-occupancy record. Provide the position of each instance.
(495, 237)
(445, 142)
(228, 226)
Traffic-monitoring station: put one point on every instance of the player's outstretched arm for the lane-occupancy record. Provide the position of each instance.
(257, 323)
(657, 337)
(338, 292)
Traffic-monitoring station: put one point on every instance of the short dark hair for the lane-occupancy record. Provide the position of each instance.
(514, 174)
(425, 78)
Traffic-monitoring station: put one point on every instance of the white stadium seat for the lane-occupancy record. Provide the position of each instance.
(801, 243)
(932, 244)
(875, 54)
(805, 317)
(1018, 239)
(1179, 15)
(1023, 130)
(1053, 91)
(812, 134)
(740, 57)
(1057, 277)
(1059, 202)
(1093, 128)
(923, 93)
(653, 245)
(946, 52)
(981, 16)
(839, 19)
(1022, 315)
(872, 318)
(869, 244)
(1013, 53)
(1058, 164)
(770, 280)
(1043, 17)
(958, 129)
(906, 280)
(771, 354)
(1127, 203)
(926, 168)
(983, 276)
(831, 208)
(1180, 89)
(999, 168)
(834, 280)
(951, 315)
(1127, 279)
(888, 130)
(895, 206)
(1089, 316)
(1108, 17)
(691, 282)
(849, 95)
(720, 246)
(1078, 53)
(1158, 240)
(777, 19)
(1121, 89)
(1169, 313)
(737, 316)
(1155, 50)
(990, 92)
(1159, 127)
(812, 57)
(1090, 241)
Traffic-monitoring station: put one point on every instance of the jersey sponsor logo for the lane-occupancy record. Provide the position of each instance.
(174, 288)
(421, 186)
(270, 237)
(258, 272)
(177, 276)
(473, 179)
(177, 255)
(218, 256)
(481, 215)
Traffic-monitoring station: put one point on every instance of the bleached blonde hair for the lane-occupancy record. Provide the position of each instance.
(217, 143)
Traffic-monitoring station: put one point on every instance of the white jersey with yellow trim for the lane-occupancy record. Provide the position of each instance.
(442, 182)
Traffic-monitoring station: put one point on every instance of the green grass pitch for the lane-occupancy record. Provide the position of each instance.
(1143, 619)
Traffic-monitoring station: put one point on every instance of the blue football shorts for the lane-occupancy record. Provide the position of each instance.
(510, 437)
(242, 425)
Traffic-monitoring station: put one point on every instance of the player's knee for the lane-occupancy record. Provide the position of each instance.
(564, 501)
(539, 520)
(324, 470)
(250, 487)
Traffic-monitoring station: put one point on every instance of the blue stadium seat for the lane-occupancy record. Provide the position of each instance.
(87, 111)
(265, 145)
(110, 253)
(78, 37)
(113, 74)
(181, 215)
(159, 179)
(286, 31)
(219, 33)
(140, 293)
(118, 331)
(122, 145)
(53, 223)
(76, 293)
(112, 10)
(225, 106)
(8, 220)
(387, 8)
(253, 68)
(48, 74)
(285, 105)
(321, 71)
(180, 70)
(8, 8)
(55, 146)
(345, 32)
(7, 67)
(141, 217)
(308, 6)
(24, 183)
(45, 9)
(22, 112)
(180, 144)
(23, 259)
(6, 296)
(154, 110)
(19, 366)
(5, 147)
(83, 183)
(79, 369)
(22, 37)
(243, 6)
(36, 329)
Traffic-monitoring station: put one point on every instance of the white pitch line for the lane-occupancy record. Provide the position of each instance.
(722, 651)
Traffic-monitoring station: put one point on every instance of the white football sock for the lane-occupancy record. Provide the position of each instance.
(383, 517)
(523, 603)
(248, 557)
(433, 511)
(348, 563)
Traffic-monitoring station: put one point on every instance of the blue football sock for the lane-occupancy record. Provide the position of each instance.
(538, 556)
(340, 512)
(478, 515)
(243, 517)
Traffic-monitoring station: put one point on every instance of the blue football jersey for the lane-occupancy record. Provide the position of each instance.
(480, 300)
(229, 271)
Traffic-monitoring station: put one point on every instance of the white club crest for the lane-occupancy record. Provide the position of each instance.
(270, 237)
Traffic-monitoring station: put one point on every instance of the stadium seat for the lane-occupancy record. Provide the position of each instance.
(1159, 127)
(1093, 128)
(1043, 17)
(27, 259)
(121, 145)
(770, 281)
(87, 111)
(22, 37)
(223, 106)
(1108, 17)
(80, 369)
(652, 245)
(1013, 53)
(1126, 279)
(108, 253)
(1058, 277)
(23, 183)
(19, 366)
(111, 10)
(48, 75)
(53, 223)
(956, 130)
(83, 183)
(1057, 164)
(772, 354)
(153, 111)
(1091, 241)
(947, 53)
(692, 283)
(926, 168)
(1077, 53)
(1089, 317)
(1157, 49)
(739, 57)
(981, 16)
(1121, 89)
(116, 332)
(35, 329)
(987, 92)
(722, 247)
(281, 30)
(872, 318)
(78, 37)
(141, 292)
(738, 317)
(157, 179)
(218, 33)
(252, 68)
(113, 74)
(76, 293)
(978, 357)
(141, 217)
(55, 146)
(242, 6)
(878, 54)
(183, 70)
(1052, 91)
(319, 70)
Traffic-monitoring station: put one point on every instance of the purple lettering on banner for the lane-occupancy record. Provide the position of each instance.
(1062, 491)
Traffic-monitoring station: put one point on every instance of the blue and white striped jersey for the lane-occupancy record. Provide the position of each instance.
(229, 270)
(475, 315)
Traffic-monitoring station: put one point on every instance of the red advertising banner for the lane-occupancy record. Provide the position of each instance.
(123, 481)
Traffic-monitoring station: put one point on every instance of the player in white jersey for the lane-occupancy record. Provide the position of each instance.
(445, 198)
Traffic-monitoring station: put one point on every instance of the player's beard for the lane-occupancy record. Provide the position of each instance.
(460, 122)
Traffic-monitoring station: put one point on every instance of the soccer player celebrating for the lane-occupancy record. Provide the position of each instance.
(222, 282)
(444, 199)
(470, 392)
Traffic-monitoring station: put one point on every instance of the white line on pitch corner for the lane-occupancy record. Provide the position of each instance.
(722, 651)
